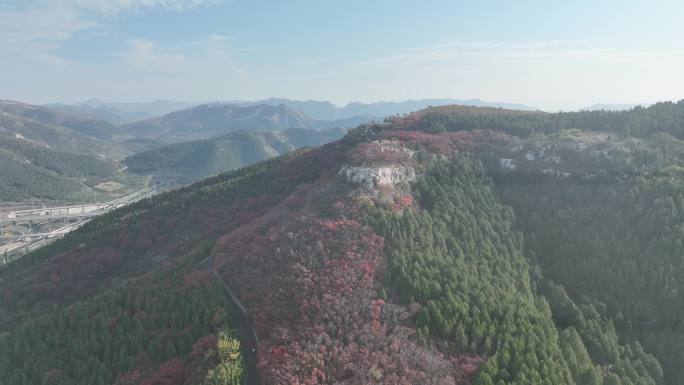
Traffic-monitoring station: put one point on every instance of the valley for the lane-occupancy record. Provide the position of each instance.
(25, 230)
(73, 154)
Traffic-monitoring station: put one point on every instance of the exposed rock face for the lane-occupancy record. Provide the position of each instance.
(508, 164)
(370, 177)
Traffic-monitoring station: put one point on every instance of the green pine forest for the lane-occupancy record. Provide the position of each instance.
(463, 261)
(163, 328)
(32, 171)
(162, 324)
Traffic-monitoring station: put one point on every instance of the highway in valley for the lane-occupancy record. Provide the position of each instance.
(22, 231)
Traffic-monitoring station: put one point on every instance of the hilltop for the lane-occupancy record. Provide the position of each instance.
(326, 111)
(448, 246)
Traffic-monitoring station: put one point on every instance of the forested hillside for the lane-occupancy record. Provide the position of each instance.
(30, 171)
(113, 304)
(639, 122)
(618, 243)
(452, 246)
(172, 328)
(57, 130)
(597, 197)
(191, 161)
(82, 124)
(50, 155)
(462, 261)
(57, 151)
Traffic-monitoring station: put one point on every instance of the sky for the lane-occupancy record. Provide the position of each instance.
(550, 54)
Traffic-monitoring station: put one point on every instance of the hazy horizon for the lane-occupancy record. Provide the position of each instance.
(598, 104)
(542, 55)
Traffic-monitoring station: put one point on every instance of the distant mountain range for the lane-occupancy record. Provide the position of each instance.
(56, 129)
(321, 110)
(83, 124)
(106, 113)
(43, 146)
(191, 161)
(211, 120)
(123, 113)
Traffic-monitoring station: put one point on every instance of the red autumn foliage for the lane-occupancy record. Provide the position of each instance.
(120, 253)
(309, 283)
(171, 372)
(310, 286)
(202, 346)
(376, 317)
(131, 378)
(402, 203)
(445, 143)
(386, 152)
(470, 365)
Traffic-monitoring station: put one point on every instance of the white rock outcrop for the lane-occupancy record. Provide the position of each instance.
(370, 177)
(508, 164)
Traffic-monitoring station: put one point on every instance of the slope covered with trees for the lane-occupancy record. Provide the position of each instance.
(389, 257)
(30, 171)
(617, 242)
(83, 124)
(461, 260)
(47, 155)
(665, 117)
(192, 161)
(63, 132)
(170, 328)
(597, 196)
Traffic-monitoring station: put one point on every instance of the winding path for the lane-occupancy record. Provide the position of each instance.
(245, 332)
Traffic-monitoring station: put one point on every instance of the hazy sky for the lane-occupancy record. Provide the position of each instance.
(545, 53)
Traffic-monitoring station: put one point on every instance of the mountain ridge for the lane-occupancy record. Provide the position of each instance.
(120, 112)
(390, 256)
(323, 110)
(190, 161)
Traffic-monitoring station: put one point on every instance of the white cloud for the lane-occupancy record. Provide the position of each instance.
(32, 33)
(146, 56)
(57, 20)
(116, 6)
(217, 37)
(29, 38)
(546, 74)
(38, 28)
(55, 23)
